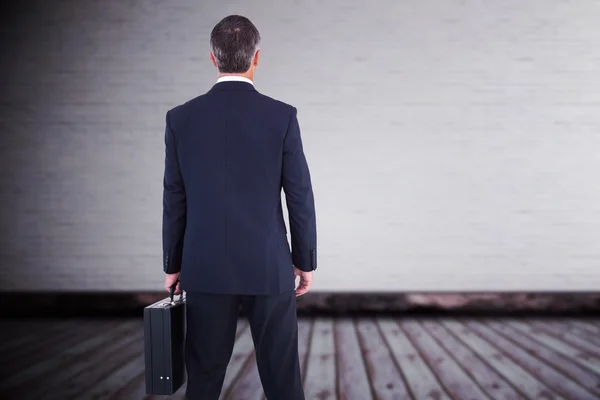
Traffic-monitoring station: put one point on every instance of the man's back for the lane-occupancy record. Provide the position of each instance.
(229, 154)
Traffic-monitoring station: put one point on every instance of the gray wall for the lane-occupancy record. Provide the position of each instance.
(454, 145)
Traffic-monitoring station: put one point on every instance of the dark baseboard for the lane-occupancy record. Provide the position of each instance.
(61, 304)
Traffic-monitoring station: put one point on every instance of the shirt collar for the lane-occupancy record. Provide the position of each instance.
(227, 78)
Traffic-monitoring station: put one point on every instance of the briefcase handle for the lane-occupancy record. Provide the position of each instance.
(172, 292)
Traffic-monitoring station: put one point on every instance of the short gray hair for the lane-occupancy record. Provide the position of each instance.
(234, 41)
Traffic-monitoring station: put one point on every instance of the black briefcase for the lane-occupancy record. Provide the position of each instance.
(164, 339)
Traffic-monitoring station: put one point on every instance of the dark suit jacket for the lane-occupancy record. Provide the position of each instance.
(229, 152)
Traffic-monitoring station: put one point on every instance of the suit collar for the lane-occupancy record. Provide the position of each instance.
(233, 85)
(225, 78)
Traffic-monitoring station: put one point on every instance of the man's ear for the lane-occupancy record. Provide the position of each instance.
(212, 57)
(255, 59)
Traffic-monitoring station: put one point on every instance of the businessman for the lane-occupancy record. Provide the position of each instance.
(229, 153)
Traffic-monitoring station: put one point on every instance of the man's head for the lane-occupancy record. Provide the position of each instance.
(234, 42)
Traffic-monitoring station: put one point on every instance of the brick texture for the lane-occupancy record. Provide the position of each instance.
(454, 145)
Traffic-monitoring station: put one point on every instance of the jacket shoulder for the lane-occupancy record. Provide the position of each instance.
(179, 115)
(181, 109)
(273, 102)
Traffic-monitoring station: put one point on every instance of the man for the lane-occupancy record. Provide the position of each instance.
(229, 153)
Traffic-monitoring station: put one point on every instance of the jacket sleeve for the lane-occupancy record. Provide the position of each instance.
(174, 205)
(296, 183)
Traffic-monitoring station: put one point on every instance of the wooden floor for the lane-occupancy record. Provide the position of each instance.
(341, 358)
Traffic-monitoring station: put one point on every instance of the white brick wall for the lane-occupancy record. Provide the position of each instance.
(454, 145)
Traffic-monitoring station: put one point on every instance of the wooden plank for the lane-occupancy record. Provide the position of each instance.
(353, 379)
(594, 321)
(53, 349)
(42, 344)
(587, 327)
(518, 376)
(16, 332)
(131, 348)
(69, 352)
(543, 372)
(134, 389)
(584, 341)
(248, 385)
(422, 381)
(387, 381)
(104, 363)
(305, 329)
(108, 386)
(575, 354)
(240, 327)
(588, 343)
(559, 361)
(320, 380)
(179, 395)
(494, 384)
(592, 326)
(86, 367)
(242, 352)
(578, 331)
(456, 382)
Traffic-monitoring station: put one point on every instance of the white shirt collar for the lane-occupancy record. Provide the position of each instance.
(234, 78)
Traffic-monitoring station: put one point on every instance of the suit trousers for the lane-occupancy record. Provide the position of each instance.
(210, 337)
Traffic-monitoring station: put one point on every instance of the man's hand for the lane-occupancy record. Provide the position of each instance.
(305, 281)
(170, 279)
